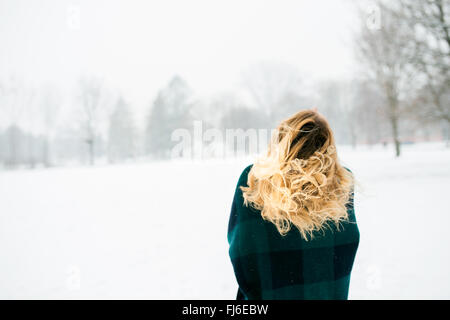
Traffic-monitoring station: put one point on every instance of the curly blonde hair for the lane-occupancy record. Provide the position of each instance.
(300, 181)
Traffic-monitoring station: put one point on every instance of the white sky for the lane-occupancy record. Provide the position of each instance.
(136, 46)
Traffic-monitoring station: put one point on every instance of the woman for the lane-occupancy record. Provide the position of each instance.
(292, 229)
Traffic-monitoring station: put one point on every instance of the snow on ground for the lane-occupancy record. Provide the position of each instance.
(158, 230)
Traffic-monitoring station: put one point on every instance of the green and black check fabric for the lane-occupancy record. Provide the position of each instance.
(270, 266)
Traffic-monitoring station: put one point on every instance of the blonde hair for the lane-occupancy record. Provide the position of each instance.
(300, 181)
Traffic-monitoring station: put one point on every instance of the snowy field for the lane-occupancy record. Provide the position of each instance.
(158, 230)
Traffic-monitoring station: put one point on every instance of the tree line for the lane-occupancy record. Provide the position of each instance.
(401, 94)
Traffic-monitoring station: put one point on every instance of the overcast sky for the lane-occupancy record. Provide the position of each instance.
(136, 46)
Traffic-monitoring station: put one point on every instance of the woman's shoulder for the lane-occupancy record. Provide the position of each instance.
(244, 176)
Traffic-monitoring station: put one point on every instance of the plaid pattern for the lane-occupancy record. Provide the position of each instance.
(270, 266)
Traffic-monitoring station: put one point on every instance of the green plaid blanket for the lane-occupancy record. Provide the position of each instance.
(270, 266)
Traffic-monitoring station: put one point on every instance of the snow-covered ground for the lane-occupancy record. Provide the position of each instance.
(158, 230)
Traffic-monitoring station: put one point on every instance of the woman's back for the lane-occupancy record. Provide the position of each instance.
(268, 265)
(292, 230)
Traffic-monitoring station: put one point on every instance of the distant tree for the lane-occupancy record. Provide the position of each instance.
(170, 111)
(431, 22)
(50, 108)
(18, 147)
(67, 145)
(352, 108)
(386, 54)
(16, 100)
(290, 103)
(274, 89)
(242, 117)
(93, 107)
(14, 151)
(331, 104)
(121, 133)
(367, 112)
(213, 110)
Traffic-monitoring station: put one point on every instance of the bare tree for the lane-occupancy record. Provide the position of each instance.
(274, 88)
(50, 107)
(211, 111)
(93, 108)
(386, 55)
(431, 22)
(368, 103)
(335, 103)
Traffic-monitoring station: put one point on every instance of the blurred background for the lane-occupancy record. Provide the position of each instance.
(124, 126)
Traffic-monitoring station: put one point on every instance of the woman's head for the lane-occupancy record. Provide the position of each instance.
(303, 134)
(300, 181)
